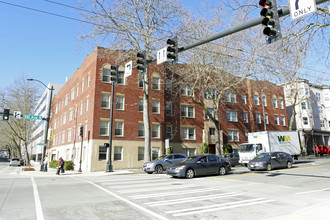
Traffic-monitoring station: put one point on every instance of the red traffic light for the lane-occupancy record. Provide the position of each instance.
(265, 3)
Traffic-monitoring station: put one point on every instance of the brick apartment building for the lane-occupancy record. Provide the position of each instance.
(85, 100)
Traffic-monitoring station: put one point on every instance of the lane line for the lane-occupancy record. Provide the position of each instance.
(193, 199)
(40, 215)
(312, 191)
(240, 204)
(157, 216)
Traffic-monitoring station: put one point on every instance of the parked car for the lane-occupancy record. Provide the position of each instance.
(161, 163)
(269, 161)
(233, 159)
(205, 164)
(22, 162)
(15, 162)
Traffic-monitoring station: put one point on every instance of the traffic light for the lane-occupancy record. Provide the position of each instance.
(81, 131)
(5, 115)
(271, 21)
(114, 73)
(141, 61)
(172, 49)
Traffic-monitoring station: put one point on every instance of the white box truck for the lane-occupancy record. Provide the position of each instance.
(269, 141)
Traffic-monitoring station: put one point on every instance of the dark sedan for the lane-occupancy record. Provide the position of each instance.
(206, 164)
(269, 161)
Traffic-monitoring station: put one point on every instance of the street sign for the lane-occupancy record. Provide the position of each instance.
(35, 117)
(17, 115)
(300, 8)
(41, 144)
(162, 55)
(128, 69)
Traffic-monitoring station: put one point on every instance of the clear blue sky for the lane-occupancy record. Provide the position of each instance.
(45, 47)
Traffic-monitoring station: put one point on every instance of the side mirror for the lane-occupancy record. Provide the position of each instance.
(199, 161)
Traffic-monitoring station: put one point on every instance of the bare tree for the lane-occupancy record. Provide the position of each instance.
(21, 96)
(136, 25)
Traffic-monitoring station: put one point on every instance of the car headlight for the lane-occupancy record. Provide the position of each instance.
(260, 163)
(180, 167)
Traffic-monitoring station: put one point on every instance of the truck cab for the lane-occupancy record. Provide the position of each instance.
(249, 151)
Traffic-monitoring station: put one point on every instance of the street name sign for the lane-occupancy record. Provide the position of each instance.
(41, 144)
(300, 8)
(35, 117)
(17, 114)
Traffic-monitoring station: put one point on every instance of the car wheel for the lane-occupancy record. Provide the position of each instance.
(289, 165)
(159, 169)
(222, 171)
(269, 167)
(190, 174)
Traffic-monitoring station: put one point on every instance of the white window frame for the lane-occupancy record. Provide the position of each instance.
(232, 115)
(119, 128)
(233, 136)
(155, 131)
(120, 104)
(155, 106)
(104, 124)
(188, 133)
(187, 111)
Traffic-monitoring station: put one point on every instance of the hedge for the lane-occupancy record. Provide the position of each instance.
(68, 165)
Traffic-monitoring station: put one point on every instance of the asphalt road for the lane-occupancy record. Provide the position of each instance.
(302, 192)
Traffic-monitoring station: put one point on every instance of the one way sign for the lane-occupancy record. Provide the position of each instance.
(17, 115)
(300, 8)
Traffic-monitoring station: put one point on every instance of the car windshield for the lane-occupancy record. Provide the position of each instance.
(246, 148)
(264, 155)
(191, 159)
(159, 158)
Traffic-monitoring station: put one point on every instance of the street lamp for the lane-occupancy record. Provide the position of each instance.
(47, 119)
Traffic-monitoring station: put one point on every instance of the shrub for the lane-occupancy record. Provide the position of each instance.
(205, 148)
(169, 150)
(228, 149)
(68, 165)
(53, 164)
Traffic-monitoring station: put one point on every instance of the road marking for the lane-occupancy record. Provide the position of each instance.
(149, 189)
(192, 199)
(212, 208)
(144, 185)
(173, 193)
(40, 215)
(125, 200)
(312, 191)
(132, 182)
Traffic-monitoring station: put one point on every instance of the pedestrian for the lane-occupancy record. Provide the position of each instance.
(61, 165)
(45, 163)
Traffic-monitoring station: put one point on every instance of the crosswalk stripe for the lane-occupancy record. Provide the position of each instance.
(217, 207)
(141, 185)
(192, 199)
(157, 188)
(133, 182)
(172, 193)
(128, 180)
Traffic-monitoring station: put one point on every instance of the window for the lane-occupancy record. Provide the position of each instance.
(64, 119)
(245, 117)
(106, 73)
(86, 130)
(320, 109)
(212, 131)
(120, 102)
(168, 108)
(305, 120)
(186, 90)
(66, 100)
(303, 106)
(211, 112)
(77, 89)
(277, 120)
(155, 83)
(119, 128)
(70, 114)
(168, 87)
(258, 119)
(140, 153)
(63, 137)
(244, 99)
(256, 99)
(102, 153)
(188, 151)
(246, 134)
(188, 133)
(141, 81)
(81, 107)
(155, 106)
(232, 135)
(266, 118)
(274, 102)
(105, 101)
(82, 84)
(154, 152)
(168, 132)
(89, 80)
(280, 103)
(322, 123)
(118, 151)
(69, 135)
(231, 115)
(230, 97)
(141, 130)
(104, 128)
(209, 94)
(140, 104)
(155, 130)
(263, 100)
(87, 103)
(72, 95)
(187, 111)
(282, 120)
